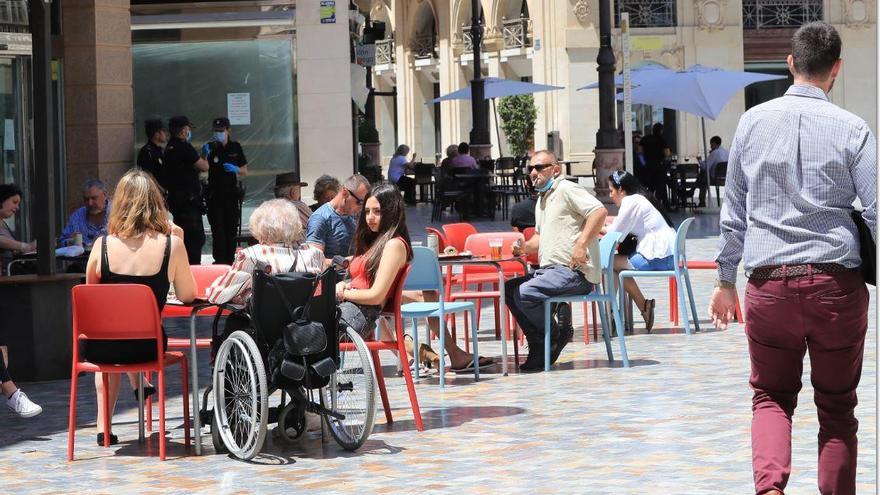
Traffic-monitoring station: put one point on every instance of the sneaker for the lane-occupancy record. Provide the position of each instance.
(23, 406)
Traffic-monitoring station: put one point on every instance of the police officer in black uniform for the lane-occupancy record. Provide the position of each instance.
(151, 156)
(227, 165)
(183, 164)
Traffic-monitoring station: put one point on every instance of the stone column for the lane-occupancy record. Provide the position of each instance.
(323, 94)
(98, 102)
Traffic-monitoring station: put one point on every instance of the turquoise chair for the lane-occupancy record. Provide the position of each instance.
(425, 275)
(681, 274)
(607, 248)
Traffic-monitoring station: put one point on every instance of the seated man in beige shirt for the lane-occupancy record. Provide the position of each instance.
(568, 220)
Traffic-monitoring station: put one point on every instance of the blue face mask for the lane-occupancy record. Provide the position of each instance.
(547, 185)
(189, 135)
(220, 137)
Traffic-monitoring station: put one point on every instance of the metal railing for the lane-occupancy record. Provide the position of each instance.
(14, 16)
(517, 33)
(646, 13)
(771, 14)
(384, 52)
(469, 41)
(424, 47)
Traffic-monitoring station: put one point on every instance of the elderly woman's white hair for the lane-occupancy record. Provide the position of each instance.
(276, 222)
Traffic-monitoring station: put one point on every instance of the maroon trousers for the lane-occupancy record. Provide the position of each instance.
(827, 316)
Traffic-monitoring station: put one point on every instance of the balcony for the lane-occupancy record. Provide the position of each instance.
(780, 14)
(385, 52)
(516, 33)
(646, 13)
(14, 16)
(469, 41)
(424, 47)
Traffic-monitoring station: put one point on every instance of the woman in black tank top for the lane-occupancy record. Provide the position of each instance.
(130, 351)
(138, 222)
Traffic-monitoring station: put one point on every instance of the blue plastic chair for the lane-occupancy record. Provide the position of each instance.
(425, 275)
(680, 272)
(607, 248)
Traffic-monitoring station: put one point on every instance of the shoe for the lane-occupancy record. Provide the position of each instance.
(485, 362)
(428, 357)
(648, 314)
(562, 339)
(148, 391)
(23, 406)
(535, 361)
(113, 439)
(563, 315)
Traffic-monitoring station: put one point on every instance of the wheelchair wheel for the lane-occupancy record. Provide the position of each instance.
(352, 393)
(241, 395)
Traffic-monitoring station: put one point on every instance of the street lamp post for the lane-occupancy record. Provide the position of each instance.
(609, 154)
(481, 147)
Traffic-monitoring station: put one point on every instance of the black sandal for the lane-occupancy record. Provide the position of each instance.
(648, 314)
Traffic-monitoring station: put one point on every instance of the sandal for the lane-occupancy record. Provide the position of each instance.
(648, 314)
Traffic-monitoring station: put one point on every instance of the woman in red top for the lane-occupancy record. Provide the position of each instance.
(382, 249)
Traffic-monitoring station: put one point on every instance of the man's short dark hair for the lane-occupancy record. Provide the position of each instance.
(464, 148)
(815, 47)
(716, 140)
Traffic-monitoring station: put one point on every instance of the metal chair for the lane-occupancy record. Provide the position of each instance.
(718, 179)
(607, 247)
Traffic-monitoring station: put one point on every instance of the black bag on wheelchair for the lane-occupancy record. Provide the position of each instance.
(295, 315)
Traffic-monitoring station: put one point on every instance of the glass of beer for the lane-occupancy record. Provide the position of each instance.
(495, 248)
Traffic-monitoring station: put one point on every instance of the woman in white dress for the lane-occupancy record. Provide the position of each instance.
(640, 214)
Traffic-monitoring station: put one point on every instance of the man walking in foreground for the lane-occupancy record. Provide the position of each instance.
(796, 165)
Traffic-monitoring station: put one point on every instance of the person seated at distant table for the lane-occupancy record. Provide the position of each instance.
(397, 169)
(90, 220)
(463, 159)
(10, 200)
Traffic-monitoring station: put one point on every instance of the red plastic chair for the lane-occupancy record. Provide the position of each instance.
(121, 312)
(457, 233)
(392, 310)
(673, 290)
(478, 244)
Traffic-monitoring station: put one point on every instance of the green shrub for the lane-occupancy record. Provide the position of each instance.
(518, 114)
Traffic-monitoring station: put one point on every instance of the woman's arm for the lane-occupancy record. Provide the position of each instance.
(94, 263)
(393, 259)
(181, 274)
(626, 218)
(10, 244)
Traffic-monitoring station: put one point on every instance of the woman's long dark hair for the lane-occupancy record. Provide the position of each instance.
(620, 179)
(393, 224)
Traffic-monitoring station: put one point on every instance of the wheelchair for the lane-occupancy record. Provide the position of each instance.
(319, 369)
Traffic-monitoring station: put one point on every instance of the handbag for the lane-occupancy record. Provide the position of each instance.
(627, 246)
(867, 248)
(302, 336)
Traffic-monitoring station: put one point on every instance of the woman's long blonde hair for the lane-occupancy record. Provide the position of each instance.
(138, 206)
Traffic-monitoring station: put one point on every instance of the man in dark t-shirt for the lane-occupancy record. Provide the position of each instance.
(183, 165)
(227, 164)
(151, 157)
(656, 149)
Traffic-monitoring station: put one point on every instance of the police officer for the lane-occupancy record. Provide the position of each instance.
(151, 156)
(227, 165)
(183, 165)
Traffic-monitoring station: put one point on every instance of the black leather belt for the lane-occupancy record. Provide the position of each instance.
(796, 271)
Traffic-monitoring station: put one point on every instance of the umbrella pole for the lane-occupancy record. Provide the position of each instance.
(706, 161)
(497, 132)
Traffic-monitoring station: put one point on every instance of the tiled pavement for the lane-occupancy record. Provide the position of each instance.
(676, 422)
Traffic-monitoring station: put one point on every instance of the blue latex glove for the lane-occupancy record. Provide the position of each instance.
(206, 149)
(231, 168)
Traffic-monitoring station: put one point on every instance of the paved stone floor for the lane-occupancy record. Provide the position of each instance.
(676, 422)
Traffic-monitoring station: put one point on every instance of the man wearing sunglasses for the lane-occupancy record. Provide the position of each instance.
(331, 227)
(568, 220)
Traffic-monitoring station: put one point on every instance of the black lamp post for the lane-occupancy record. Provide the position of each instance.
(606, 137)
(479, 137)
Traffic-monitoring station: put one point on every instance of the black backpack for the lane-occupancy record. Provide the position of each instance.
(867, 248)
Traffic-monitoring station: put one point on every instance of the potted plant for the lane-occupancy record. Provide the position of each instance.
(518, 114)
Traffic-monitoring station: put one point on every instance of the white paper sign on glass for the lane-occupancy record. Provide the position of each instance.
(238, 108)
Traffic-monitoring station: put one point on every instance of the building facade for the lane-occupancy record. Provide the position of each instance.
(428, 53)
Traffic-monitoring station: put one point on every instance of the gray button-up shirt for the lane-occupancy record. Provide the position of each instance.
(796, 165)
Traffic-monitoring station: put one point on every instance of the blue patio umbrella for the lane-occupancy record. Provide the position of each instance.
(699, 90)
(496, 88)
(644, 73)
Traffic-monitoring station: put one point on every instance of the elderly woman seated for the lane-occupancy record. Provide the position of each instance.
(276, 226)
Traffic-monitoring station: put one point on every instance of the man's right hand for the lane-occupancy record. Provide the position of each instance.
(517, 247)
(722, 307)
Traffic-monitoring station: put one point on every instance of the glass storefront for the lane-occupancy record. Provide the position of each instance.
(16, 145)
(207, 60)
(196, 79)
